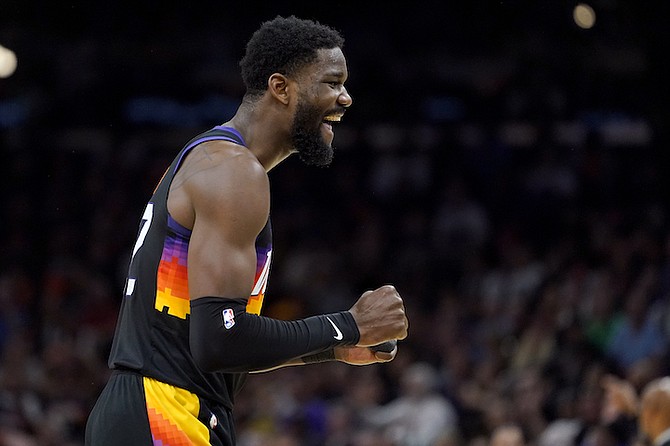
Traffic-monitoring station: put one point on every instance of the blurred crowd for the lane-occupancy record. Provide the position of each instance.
(507, 179)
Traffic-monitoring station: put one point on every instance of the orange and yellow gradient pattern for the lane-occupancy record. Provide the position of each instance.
(173, 415)
(172, 279)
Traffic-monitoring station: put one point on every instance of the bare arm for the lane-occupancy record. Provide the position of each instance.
(225, 196)
(230, 198)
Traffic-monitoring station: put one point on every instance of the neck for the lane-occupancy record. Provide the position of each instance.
(263, 130)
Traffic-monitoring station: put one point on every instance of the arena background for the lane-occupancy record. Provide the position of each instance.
(504, 167)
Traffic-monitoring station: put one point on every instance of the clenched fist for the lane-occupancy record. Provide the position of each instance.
(380, 316)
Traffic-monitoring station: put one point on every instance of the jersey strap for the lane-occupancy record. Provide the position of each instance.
(218, 133)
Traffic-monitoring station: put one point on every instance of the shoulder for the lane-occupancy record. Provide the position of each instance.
(216, 154)
(225, 169)
(223, 178)
(220, 163)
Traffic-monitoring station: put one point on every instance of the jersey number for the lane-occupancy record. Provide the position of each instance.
(144, 230)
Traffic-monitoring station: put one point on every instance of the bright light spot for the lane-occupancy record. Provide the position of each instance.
(584, 15)
(7, 62)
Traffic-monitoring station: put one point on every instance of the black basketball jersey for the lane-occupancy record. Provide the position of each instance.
(152, 332)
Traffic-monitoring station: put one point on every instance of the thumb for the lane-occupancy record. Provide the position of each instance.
(386, 356)
(385, 351)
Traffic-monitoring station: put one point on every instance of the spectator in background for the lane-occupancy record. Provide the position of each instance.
(651, 411)
(420, 415)
(507, 435)
(620, 408)
(654, 418)
(599, 310)
(639, 336)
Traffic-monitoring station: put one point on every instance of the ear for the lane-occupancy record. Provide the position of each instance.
(280, 87)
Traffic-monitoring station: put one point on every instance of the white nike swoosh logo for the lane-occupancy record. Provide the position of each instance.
(338, 334)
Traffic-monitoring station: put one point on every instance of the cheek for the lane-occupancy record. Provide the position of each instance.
(325, 96)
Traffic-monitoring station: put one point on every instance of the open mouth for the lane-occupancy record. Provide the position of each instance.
(330, 119)
(333, 118)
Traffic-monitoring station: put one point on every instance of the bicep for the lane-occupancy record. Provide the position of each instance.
(229, 215)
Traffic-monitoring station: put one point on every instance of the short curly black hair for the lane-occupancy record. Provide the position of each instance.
(284, 45)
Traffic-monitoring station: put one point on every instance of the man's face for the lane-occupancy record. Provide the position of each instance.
(322, 101)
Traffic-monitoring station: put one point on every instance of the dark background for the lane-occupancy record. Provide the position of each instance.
(499, 164)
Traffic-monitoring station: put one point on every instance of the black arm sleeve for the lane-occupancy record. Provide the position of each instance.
(224, 337)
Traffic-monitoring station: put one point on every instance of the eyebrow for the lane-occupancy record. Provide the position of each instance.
(334, 73)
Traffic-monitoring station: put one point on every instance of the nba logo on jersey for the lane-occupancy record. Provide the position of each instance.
(228, 318)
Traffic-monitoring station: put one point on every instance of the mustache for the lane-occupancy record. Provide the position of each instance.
(336, 111)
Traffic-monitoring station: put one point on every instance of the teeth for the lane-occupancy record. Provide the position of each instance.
(335, 118)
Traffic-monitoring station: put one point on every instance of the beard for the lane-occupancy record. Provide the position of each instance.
(307, 139)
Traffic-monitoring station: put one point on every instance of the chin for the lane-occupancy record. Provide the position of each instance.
(322, 158)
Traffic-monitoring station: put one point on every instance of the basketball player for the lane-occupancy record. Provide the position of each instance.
(190, 328)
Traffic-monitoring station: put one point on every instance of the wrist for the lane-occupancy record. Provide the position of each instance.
(324, 356)
(343, 327)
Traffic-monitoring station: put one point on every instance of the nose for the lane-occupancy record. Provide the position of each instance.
(344, 99)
